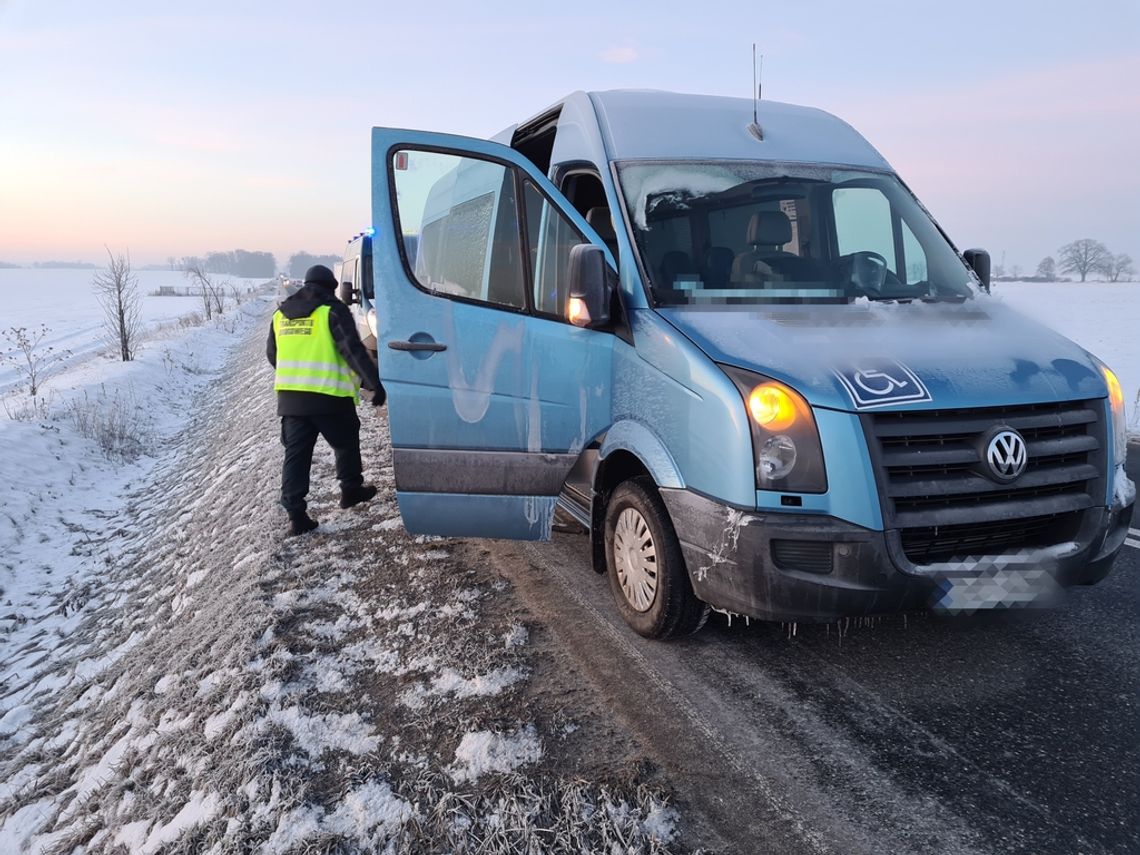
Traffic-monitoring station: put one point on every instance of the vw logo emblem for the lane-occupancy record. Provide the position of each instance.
(1006, 454)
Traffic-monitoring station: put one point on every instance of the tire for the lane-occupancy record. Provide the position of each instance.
(648, 577)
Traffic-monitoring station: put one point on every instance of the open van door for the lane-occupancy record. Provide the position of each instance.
(492, 392)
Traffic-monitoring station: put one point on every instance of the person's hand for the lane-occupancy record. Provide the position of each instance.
(379, 397)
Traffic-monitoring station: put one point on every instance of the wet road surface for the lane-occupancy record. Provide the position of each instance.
(999, 732)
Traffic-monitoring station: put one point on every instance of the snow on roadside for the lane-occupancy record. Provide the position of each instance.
(197, 683)
(62, 494)
(482, 751)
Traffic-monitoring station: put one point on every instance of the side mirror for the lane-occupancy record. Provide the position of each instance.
(346, 293)
(590, 289)
(979, 260)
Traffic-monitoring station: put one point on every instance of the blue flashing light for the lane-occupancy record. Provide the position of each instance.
(369, 232)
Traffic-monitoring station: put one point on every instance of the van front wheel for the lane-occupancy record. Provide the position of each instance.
(646, 568)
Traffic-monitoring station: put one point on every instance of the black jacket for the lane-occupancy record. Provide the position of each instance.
(347, 342)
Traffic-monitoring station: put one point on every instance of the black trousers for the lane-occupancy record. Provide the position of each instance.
(299, 435)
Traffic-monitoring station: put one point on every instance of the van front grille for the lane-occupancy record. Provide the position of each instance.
(937, 489)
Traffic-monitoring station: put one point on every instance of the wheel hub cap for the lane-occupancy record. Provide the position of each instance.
(635, 557)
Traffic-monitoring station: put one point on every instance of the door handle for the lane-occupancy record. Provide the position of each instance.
(433, 346)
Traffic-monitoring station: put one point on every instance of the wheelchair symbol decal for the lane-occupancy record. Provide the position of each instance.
(879, 385)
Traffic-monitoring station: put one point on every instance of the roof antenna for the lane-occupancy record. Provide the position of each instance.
(757, 88)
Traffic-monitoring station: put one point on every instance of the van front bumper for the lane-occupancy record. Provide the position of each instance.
(809, 567)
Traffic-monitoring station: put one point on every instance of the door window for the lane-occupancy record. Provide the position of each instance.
(551, 236)
(461, 215)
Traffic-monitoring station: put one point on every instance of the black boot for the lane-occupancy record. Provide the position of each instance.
(301, 523)
(355, 495)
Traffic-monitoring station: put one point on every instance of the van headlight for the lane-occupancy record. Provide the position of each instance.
(786, 448)
(371, 318)
(1116, 401)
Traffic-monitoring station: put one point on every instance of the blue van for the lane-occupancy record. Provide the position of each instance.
(741, 355)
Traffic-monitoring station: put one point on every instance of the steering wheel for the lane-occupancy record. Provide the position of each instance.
(868, 271)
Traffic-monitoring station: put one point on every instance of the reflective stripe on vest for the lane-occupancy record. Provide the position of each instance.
(307, 358)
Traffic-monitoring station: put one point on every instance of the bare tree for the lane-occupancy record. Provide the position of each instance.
(213, 294)
(219, 296)
(1083, 256)
(1047, 269)
(1119, 267)
(30, 357)
(117, 290)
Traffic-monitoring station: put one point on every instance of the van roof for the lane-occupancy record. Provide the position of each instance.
(651, 124)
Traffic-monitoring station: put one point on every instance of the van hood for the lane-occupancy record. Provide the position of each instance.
(867, 356)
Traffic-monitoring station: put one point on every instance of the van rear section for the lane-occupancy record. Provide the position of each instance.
(746, 361)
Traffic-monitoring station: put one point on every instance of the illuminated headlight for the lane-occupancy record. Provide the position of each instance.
(371, 318)
(786, 447)
(1116, 401)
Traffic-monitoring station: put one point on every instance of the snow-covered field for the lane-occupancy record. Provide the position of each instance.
(1102, 317)
(64, 301)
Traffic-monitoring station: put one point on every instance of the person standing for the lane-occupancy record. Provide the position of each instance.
(320, 364)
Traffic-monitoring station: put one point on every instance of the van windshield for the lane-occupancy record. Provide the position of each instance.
(744, 232)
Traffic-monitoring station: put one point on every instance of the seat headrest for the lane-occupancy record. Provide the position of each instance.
(769, 228)
(600, 221)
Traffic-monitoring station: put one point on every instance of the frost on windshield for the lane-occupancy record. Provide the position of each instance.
(673, 185)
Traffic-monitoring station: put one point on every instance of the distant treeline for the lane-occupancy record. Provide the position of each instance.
(237, 262)
(4, 265)
(302, 261)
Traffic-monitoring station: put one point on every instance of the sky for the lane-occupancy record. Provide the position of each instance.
(179, 129)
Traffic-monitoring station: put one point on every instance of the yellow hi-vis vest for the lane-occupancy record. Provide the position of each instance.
(307, 358)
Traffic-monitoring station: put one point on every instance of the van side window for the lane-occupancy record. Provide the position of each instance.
(551, 237)
(461, 215)
(348, 273)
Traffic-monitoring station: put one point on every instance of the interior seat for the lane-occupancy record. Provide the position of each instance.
(767, 232)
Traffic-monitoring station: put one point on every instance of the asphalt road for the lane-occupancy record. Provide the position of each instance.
(999, 732)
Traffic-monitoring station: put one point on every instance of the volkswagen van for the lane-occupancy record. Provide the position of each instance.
(741, 355)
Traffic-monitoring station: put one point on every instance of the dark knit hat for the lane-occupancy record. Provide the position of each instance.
(318, 274)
